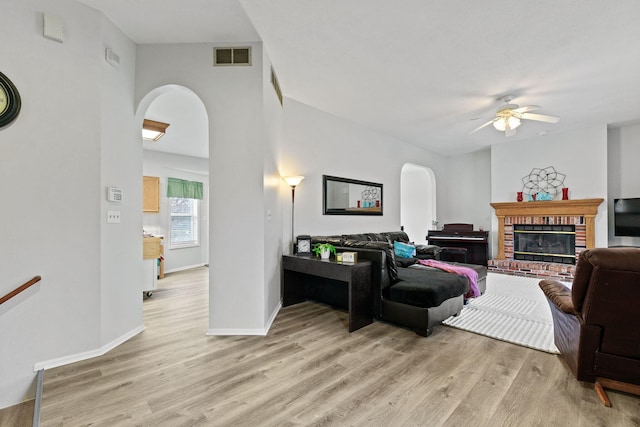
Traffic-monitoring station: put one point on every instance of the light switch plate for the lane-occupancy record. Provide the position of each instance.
(113, 217)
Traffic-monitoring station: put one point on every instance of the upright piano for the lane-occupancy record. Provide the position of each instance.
(463, 236)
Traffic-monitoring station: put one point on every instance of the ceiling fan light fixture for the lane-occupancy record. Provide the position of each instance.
(509, 116)
(502, 124)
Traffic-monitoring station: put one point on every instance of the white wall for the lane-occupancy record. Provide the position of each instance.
(165, 165)
(316, 143)
(120, 165)
(580, 154)
(275, 192)
(467, 190)
(69, 142)
(623, 174)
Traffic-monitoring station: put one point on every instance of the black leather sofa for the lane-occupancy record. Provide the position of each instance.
(406, 294)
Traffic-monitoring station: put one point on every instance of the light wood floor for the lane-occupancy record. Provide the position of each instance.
(309, 371)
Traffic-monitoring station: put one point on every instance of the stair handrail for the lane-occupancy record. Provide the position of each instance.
(19, 289)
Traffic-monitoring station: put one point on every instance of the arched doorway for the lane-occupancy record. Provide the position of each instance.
(182, 154)
(417, 201)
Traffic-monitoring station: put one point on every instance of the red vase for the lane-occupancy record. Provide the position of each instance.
(565, 193)
(519, 196)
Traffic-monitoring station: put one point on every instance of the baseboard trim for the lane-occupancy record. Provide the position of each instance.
(72, 358)
(260, 332)
(38, 402)
(226, 332)
(272, 318)
(188, 267)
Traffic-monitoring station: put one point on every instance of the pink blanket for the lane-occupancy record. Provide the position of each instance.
(467, 272)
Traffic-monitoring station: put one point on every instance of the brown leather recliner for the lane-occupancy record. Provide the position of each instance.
(597, 322)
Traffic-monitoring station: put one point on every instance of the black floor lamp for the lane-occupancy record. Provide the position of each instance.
(293, 181)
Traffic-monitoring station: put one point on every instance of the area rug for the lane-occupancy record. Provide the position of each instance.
(512, 309)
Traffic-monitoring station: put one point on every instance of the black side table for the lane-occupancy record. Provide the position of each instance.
(356, 276)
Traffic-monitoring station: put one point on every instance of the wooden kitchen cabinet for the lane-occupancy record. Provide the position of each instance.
(150, 194)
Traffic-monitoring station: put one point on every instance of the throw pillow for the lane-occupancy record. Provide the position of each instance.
(404, 250)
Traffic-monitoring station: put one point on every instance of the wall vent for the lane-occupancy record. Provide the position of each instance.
(231, 56)
(276, 85)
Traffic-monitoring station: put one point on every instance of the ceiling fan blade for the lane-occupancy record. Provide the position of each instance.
(527, 108)
(541, 118)
(481, 126)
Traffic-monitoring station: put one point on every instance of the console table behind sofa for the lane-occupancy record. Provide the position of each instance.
(298, 284)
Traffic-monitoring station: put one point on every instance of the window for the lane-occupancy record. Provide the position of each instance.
(184, 222)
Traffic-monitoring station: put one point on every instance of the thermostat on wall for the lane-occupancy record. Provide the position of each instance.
(114, 194)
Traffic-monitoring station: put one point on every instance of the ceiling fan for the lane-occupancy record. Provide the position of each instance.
(509, 116)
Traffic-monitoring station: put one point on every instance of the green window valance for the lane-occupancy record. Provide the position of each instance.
(184, 189)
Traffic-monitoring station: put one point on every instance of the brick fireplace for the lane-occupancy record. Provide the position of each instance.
(578, 215)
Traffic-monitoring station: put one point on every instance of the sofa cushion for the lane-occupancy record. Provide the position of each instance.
(396, 236)
(334, 240)
(432, 250)
(357, 237)
(426, 288)
(386, 247)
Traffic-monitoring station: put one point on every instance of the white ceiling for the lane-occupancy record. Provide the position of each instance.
(425, 71)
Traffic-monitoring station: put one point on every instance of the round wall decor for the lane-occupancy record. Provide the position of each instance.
(9, 101)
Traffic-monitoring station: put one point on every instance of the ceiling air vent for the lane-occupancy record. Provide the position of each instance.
(232, 56)
(276, 85)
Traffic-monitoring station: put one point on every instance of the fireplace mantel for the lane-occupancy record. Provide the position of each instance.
(588, 208)
(548, 207)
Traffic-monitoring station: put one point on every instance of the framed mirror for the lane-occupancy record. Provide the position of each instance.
(342, 196)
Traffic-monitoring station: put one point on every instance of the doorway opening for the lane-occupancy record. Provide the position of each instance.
(179, 159)
(417, 201)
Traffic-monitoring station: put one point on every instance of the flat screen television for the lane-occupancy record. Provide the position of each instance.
(626, 216)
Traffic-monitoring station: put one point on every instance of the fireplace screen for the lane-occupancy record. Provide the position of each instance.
(546, 243)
